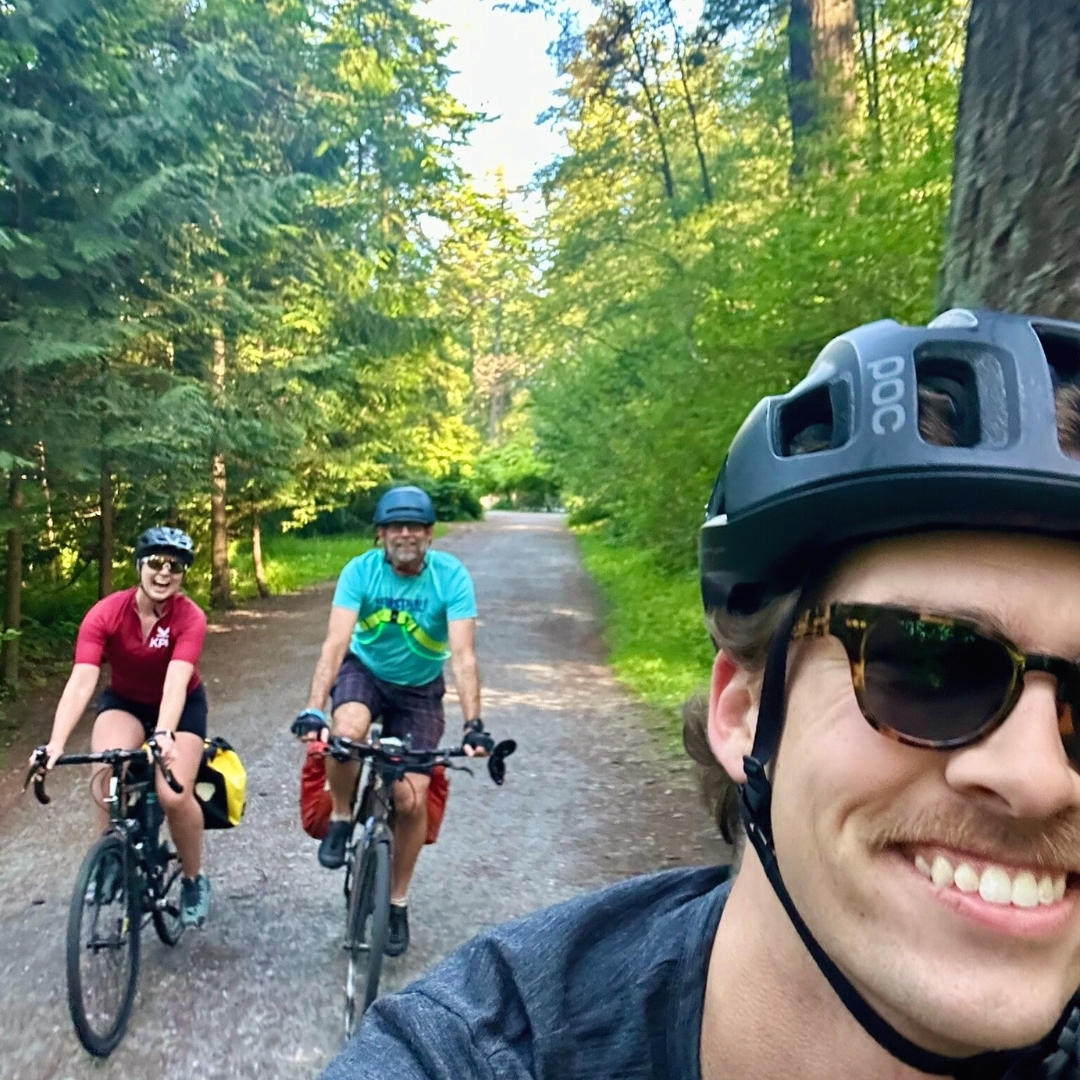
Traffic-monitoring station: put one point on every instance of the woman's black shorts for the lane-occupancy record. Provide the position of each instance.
(192, 719)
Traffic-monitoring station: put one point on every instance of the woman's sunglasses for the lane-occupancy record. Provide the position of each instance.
(157, 563)
(935, 681)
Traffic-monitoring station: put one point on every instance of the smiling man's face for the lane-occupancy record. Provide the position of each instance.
(860, 820)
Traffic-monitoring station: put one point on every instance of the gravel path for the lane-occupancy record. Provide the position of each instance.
(258, 992)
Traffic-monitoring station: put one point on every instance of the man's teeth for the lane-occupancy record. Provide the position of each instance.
(994, 884)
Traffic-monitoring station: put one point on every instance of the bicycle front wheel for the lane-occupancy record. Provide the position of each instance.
(103, 945)
(368, 926)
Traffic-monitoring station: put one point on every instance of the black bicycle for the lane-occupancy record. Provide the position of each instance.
(383, 761)
(129, 876)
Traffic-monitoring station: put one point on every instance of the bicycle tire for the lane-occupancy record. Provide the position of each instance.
(380, 919)
(101, 1027)
(370, 900)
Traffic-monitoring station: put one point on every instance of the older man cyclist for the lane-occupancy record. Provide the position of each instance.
(399, 612)
(891, 573)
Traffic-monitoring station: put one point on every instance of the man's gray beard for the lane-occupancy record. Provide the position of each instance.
(397, 561)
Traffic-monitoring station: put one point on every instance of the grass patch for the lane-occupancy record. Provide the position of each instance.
(653, 626)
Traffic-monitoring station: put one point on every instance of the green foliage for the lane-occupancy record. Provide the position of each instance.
(212, 249)
(513, 471)
(665, 315)
(654, 626)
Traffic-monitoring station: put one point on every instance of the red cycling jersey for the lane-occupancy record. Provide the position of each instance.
(112, 630)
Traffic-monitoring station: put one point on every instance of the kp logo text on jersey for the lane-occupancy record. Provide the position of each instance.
(160, 640)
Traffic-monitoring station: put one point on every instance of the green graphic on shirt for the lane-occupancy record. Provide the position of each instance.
(411, 630)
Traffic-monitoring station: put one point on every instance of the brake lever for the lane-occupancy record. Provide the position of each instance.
(497, 761)
(458, 768)
(37, 774)
(155, 753)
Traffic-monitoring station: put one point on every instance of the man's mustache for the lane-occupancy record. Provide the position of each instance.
(1044, 844)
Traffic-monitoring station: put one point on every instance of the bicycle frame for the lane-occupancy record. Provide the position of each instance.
(141, 828)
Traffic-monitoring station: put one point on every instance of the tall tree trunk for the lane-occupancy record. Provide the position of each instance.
(801, 104)
(9, 659)
(50, 523)
(652, 103)
(1014, 228)
(256, 551)
(106, 542)
(821, 58)
(688, 97)
(866, 10)
(220, 597)
(494, 411)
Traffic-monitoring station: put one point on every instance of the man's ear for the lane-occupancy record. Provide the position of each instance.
(733, 706)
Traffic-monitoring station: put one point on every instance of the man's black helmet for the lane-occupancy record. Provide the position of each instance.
(405, 503)
(165, 540)
(840, 458)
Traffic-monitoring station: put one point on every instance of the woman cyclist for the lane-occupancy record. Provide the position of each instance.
(151, 635)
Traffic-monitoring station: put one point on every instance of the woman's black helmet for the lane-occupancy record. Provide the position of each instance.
(840, 458)
(165, 540)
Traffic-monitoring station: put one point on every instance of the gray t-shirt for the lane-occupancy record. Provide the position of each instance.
(609, 986)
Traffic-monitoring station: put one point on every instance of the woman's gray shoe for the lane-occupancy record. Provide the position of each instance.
(194, 900)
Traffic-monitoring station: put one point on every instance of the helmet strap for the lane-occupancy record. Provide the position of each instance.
(755, 800)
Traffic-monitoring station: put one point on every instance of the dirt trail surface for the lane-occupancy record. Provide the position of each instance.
(258, 992)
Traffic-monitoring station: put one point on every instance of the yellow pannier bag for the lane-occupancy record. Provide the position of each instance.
(221, 785)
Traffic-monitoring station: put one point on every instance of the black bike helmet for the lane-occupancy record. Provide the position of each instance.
(165, 540)
(406, 503)
(840, 459)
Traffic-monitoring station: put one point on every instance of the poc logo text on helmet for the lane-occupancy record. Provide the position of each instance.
(886, 394)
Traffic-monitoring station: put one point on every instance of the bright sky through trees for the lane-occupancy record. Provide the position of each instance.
(502, 69)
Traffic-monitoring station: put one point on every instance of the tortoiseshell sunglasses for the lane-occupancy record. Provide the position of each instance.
(935, 681)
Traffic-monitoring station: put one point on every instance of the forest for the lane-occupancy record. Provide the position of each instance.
(244, 284)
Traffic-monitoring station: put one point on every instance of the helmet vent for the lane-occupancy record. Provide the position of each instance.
(1063, 355)
(807, 424)
(948, 400)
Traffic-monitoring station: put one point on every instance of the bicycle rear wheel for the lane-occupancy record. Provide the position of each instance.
(368, 925)
(103, 945)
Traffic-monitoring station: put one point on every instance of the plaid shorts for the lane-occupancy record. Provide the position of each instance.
(404, 710)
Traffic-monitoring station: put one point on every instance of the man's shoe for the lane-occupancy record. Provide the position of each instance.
(397, 941)
(332, 848)
(194, 900)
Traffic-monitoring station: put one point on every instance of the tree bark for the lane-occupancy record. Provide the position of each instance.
(50, 523)
(256, 551)
(688, 97)
(821, 65)
(220, 596)
(1014, 230)
(652, 102)
(9, 659)
(106, 542)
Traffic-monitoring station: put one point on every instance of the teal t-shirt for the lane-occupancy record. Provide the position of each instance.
(409, 646)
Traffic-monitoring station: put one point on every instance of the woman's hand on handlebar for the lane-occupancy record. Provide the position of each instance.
(50, 752)
(165, 741)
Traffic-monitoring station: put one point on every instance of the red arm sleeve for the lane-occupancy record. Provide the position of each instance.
(93, 632)
(190, 634)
